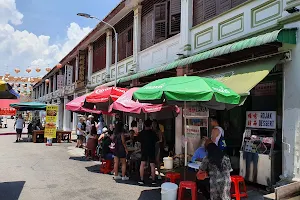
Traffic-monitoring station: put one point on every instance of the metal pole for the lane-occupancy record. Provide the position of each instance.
(116, 58)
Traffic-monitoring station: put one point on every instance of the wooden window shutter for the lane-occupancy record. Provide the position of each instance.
(147, 31)
(198, 12)
(174, 19)
(223, 5)
(237, 2)
(210, 9)
(160, 22)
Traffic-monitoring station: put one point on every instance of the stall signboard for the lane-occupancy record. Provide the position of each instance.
(196, 111)
(7, 111)
(193, 137)
(51, 118)
(69, 76)
(265, 89)
(60, 81)
(261, 119)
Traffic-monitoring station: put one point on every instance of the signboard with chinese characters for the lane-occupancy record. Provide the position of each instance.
(51, 118)
(261, 119)
(196, 111)
(80, 83)
(193, 136)
(69, 75)
(265, 89)
(60, 81)
(7, 111)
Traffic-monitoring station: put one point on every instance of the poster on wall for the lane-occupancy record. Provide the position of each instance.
(193, 136)
(261, 119)
(51, 118)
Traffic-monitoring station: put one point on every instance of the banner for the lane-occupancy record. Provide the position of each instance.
(7, 111)
(51, 117)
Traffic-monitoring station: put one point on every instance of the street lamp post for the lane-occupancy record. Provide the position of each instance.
(116, 41)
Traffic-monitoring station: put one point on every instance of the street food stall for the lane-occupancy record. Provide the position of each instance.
(258, 150)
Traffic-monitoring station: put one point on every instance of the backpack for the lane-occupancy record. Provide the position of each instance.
(222, 143)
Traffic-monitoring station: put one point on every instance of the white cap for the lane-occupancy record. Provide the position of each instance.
(90, 116)
(104, 130)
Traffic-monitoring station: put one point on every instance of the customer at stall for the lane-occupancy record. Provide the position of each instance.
(80, 132)
(148, 139)
(218, 167)
(217, 134)
(120, 151)
(100, 125)
(200, 153)
(159, 146)
(134, 127)
(106, 152)
(89, 126)
(19, 125)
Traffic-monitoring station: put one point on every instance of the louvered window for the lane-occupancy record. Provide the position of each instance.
(174, 18)
(160, 22)
(124, 29)
(99, 54)
(206, 9)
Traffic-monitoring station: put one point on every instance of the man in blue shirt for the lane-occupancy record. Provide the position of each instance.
(200, 153)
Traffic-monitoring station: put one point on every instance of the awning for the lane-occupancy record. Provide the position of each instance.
(243, 77)
(283, 36)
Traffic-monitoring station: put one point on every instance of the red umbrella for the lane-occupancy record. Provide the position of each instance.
(127, 105)
(76, 105)
(103, 97)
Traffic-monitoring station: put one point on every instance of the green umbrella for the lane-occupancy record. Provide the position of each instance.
(29, 106)
(186, 89)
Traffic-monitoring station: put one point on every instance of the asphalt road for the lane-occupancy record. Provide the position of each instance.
(37, 172)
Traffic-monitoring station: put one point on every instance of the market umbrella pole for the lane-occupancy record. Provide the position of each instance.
(185, 136)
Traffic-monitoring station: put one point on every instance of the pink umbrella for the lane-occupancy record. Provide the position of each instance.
(127, 105)
(76, 105)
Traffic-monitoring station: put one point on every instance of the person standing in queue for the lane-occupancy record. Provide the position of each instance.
(80, 132)
(217, 134)
(148, 139)
(120, 151)
(19, 125)
(159, 146)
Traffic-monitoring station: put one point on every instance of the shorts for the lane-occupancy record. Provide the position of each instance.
(19, 131)
(109, 156)
(148, 157)
(120, 154)
(80, 137)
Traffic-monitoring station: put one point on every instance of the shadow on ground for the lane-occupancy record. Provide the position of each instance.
(94, 169)
(80, 158)
(150, 194)
(11, 190)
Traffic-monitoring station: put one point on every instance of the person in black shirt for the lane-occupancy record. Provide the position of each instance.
(148, 139)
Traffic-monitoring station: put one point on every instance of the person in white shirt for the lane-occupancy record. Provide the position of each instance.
(217, 131)
(89, 126)
(80, 132)
(19, 125)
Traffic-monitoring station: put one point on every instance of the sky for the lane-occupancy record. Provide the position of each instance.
(39, 33)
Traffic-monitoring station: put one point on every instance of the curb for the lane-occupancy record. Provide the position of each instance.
(7, 134)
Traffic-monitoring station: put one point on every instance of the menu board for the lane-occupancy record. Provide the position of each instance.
(261, 119)
(50, 125)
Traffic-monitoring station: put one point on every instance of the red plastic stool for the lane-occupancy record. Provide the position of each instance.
(187, 185)
(173, 177)
(106, 166)
(237, 194)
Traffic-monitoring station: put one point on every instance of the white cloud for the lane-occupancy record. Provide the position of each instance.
(22, 48)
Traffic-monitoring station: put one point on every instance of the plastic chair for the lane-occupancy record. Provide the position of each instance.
(106, 166)
(237, 193)
(172, 177)
(187, 185)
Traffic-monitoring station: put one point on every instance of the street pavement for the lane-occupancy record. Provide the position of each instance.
(34, 171)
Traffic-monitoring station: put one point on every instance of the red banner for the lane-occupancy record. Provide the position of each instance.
(7, 111)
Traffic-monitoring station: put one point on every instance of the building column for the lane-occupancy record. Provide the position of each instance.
(185, 26)
(108, 53)
(54, 82)
(90, 64)
(75, 119)
(76, 68)
(291, 111)
(45, 88)
(66, 121)
(137, 32)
